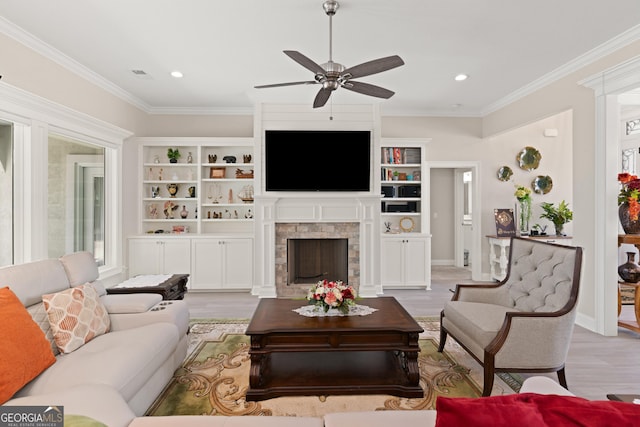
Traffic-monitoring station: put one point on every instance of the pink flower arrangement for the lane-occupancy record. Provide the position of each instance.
(328, 295)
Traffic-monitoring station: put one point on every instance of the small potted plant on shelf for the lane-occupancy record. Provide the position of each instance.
(173, 155)
(558, 216)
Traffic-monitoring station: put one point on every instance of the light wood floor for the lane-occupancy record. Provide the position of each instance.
(596, 365)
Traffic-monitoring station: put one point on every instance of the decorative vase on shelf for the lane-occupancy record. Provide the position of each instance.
(559, 229)
(630, 271)
(629, 225)
(184, 212)
(524, 216)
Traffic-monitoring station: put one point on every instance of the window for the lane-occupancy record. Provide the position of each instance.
(6, 193)
(76, 198)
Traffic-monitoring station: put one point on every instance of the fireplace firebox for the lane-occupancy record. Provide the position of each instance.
(312, 260)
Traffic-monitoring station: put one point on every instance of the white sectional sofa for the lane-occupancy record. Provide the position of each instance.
(133, 361)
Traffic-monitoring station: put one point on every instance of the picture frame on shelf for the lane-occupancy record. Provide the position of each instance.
(216, 172)
(505, 224)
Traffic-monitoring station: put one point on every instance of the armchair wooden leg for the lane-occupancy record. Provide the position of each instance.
(443, 335)
(562, 379)
(488, 367)
(488, 381)
(443, 339)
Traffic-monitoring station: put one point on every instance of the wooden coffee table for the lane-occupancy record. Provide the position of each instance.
(294, 355)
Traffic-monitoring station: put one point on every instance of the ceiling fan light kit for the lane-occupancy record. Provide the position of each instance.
(332, 75)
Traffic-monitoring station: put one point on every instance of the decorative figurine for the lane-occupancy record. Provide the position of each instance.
(155, 191)
(173, 189)
(153, 211)
(189, 158)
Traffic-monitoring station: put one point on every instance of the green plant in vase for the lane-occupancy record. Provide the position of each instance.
(558, 216)
(173, 155)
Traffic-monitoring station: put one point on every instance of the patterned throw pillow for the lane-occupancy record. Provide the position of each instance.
(77, 316)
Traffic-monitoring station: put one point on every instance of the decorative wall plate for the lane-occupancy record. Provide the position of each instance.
(542, 184)
(406, 224)
(504, 173)
(529, 158)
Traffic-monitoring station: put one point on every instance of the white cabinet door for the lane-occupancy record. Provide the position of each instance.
(159, 256)
(392, 262)
(222, 263)
(176, 257)
(238, 263)
(144, 257)
(206, 266)
(416, 262)
(405, 262)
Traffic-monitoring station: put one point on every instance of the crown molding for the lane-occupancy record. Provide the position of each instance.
(25, 107)
(599, 52)
(49, 52)
(204, 111)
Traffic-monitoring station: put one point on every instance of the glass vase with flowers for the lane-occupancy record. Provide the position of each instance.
(523, 196)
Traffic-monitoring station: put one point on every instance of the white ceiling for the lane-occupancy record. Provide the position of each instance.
(224, 48)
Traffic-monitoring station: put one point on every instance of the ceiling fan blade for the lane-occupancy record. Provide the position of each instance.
(322, 97)
(373, 67)
(304, 61)
(368, 89)
(310, 82)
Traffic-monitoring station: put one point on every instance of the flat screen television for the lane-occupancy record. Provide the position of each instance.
(310, 160)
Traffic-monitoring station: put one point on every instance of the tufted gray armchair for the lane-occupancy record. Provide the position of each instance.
(525, 322)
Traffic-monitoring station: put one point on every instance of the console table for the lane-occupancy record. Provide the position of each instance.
(499, 252)
(629, 319)
(171, 289)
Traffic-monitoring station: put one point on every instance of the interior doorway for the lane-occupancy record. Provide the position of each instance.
(459, 202)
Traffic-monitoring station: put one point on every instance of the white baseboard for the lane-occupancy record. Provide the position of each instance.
(442, 262)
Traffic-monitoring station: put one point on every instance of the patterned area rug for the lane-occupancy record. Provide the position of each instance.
(214, 378)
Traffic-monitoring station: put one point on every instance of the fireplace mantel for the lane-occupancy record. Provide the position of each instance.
(314, 208)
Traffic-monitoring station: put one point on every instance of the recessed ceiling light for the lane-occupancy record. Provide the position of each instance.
(177, 74)
(461, 77)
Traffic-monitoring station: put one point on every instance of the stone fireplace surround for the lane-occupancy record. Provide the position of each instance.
(306, 215)
(318, 230)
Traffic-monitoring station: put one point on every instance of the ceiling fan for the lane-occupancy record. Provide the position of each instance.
(332, 75)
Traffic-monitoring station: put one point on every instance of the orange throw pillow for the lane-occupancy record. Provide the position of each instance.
(25, 350)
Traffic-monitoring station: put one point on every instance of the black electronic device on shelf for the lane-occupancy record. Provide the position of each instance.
(308, 160)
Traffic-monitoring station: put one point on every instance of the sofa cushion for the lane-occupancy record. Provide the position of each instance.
(424, 418)
(26, 351)
(130, 303)
(124, 360)
(31, 280)
(227, 421)
(98, 401)
(478, 320)
(80, 267)
(531, 409)
(81, 421)
(77, 316)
